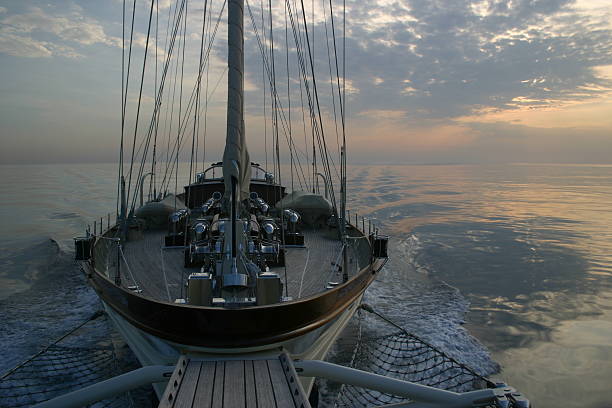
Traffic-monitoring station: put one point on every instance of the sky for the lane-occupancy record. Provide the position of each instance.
(431, 81)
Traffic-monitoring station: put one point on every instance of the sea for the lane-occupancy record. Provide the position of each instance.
(506, 268)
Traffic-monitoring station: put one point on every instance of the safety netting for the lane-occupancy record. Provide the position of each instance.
(64, 366)
(404, 356)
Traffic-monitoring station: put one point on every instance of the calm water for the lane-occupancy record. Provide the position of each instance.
(505, 264)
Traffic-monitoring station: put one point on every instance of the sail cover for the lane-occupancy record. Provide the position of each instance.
(236, 162)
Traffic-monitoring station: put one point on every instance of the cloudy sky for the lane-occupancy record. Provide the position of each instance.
(428, 81)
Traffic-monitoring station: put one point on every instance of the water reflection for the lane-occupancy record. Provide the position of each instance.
(530, 247)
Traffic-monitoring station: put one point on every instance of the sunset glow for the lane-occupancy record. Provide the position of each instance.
(426, 81)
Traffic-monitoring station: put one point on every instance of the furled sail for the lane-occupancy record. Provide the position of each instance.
(236, 162)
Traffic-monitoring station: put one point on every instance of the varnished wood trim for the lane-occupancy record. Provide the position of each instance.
(231, 328)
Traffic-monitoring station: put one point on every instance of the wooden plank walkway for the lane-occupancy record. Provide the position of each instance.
(251, 383)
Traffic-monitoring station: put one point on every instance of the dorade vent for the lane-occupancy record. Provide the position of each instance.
(211, 206)
(258, 204)
(176, 228)
(200, 230)
(292, 216)
(208, 205)
(292, 236)
(269, 227)
(200, 177)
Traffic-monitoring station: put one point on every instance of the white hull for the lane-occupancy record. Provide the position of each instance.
(151, 350)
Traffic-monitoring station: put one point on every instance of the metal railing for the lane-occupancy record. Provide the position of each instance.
(372, 228)
(100, 233)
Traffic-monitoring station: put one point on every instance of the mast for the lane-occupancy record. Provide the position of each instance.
(235, 157)
(236, 162)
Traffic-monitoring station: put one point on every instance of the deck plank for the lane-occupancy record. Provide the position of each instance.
(233, 385)
(308, 269)
(217, 394)
(185, 395)
(260, 383)
(263, 385)
(249, 385)
(174, 384)
(204, 392)
(282, 392)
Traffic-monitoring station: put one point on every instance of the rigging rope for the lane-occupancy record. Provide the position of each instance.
(289, 97)
(147, 139)
(183, 123)
(280, 118)
(122, 107)
(331, 77)
(273, 95)
(263, 70)
(144, 65)
(208, 36)
(196, 119)
(125, 78)
(152, 185)
(180, 104)
(321, 135)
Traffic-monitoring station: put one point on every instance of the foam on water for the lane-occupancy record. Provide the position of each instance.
(409, 295)
(56, 300)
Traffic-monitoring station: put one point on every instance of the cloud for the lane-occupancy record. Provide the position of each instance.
(25, 46)
(430, 80)
(437, 77)
(439, 59)
(461, 56)
(163, 4)
(36, 33)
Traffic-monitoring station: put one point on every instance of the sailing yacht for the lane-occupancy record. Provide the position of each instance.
(235, 263)
(240, 274)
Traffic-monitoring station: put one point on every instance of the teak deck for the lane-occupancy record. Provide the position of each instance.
(159, 271)
(252, 383)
